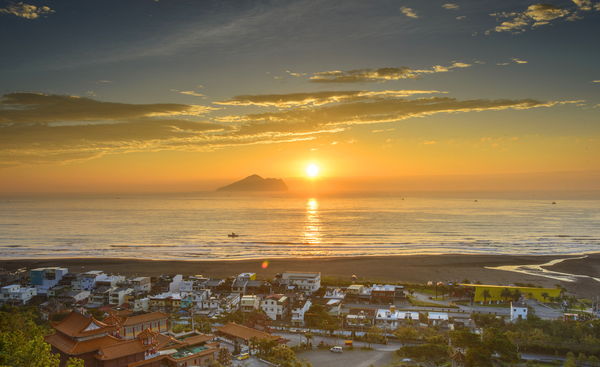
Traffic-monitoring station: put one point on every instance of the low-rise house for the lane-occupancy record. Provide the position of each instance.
(275, 306)
(334, 307)
(100, 295)
(360, 318)
(334, 293)
(110, 281)
(16, 295)
(438, 318)
(141, 304)
(518, 311)
(218, 304)
(75, 297)
(299, 309)
(307, 282)
(391, 318)
(242, 334)
(249, 303)
(383, 294)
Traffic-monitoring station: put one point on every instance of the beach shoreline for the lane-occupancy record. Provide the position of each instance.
(403, 268)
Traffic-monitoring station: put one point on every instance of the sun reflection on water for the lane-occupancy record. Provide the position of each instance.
(312, 224)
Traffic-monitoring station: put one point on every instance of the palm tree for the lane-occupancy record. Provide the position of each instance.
(545, 295)
(308, 335)
(506, 294)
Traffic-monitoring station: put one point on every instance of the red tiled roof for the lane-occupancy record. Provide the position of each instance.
(197, 339)
(75, 325)
(138, 319)
(244, 332)
(72, 347)
(122, 349)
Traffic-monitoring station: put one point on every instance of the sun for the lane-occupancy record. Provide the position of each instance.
(312, 170)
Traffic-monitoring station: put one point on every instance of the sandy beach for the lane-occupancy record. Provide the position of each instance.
(410, 268)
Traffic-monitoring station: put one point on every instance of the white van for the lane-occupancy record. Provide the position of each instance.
(336, 349)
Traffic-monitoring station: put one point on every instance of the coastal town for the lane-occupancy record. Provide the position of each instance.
(97, 319)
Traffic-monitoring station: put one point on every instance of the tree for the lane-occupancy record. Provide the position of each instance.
(545, 295)
(75, 362)
(506, 294)
(308, 336)
(224, 357)
(22, 341)
(375, 335)
(406, 334)
(570, 361)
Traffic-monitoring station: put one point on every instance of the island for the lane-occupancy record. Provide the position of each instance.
(256, 183)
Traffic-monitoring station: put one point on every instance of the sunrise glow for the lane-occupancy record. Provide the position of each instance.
(312, 170)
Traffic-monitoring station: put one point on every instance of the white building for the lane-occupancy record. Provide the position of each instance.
(275, 306)
(109, 280)
(518, 311)
(307, 282)
(45, 278)
(175, 285)
(390, 318)
(299, 311)
(437, 318)
(118, 296)
(249, 303)
(86, 281)
(16, 294)
(141, 304)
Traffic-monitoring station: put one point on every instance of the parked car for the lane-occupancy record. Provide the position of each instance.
(243, 356)
(336, 349)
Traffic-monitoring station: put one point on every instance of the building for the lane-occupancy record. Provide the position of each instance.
(518, 311)
(438, 318)
(307, 282)
(141, 284)
(86, 281)
(249, 303)
(16, 295)
(169, 352)
(385, 294)
(119, 296)
(94, 342)
(129, 327)
(275, 306)
(391, 318)
(110, 281)
(299, 309)
(45, 278)
(242, 334)
(360, 318)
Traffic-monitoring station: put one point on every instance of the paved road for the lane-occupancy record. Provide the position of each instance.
(296, 339)
(349, 358)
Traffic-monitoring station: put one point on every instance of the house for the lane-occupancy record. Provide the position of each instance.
(94, 342)
(16, 295)
(141, 284)
(219, 304)
(75, 297)
(391, 318)
(438, 318)
(141, 304)
(275, 306)
(119, 296)
(360, 317)
(249, 303)
(307, 282)
(334, 293)
(299, 309)
(383, 294)
(518, 311)
(242, 334)
(45, 278)
(86, 281)
(110, 281)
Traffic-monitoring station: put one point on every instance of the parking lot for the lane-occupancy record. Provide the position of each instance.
(354, 358)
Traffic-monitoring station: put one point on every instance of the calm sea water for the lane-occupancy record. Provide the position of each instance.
(196, 227)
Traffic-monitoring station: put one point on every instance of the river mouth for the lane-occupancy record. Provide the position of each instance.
(541, 271)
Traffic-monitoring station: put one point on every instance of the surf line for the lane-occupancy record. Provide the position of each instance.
(538, 270)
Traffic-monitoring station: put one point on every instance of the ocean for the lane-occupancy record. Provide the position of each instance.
(196, 226)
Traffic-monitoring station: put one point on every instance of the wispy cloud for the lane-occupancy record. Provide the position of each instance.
(381, 74)
(26, 11)
(188, 92)
(317, 98)
(409, 12)
(450, 6)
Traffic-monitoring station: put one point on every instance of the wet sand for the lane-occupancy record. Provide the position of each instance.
(409, 268)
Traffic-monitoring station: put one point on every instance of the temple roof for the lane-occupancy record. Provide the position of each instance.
(76, 325)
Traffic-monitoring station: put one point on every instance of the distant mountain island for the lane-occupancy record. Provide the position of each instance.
(256, 183)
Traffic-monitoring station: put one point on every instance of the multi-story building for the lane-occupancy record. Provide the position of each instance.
(249, 303)
(16, 295)
(129, 327)
(45, 278)
(299, 309)
(518, 311)
(141, 284)
(383, 293)
(118, 296)
(86, 281)
(275, 306)
(307, 282)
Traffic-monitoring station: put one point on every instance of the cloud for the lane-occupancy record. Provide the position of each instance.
(513, 60)
(535, 15)
(26, 11)
(44, 108)
(409, 12)
(381, 74)
(584, 5)
(450, 6)
(188, 92)
(596, 81)
(519, 61)
(316, 98)
(461, 17)
(39, 128)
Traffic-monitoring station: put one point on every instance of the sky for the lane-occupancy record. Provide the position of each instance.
(176, 95)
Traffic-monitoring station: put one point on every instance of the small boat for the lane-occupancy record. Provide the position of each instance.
(554, 203)
(233, 235)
